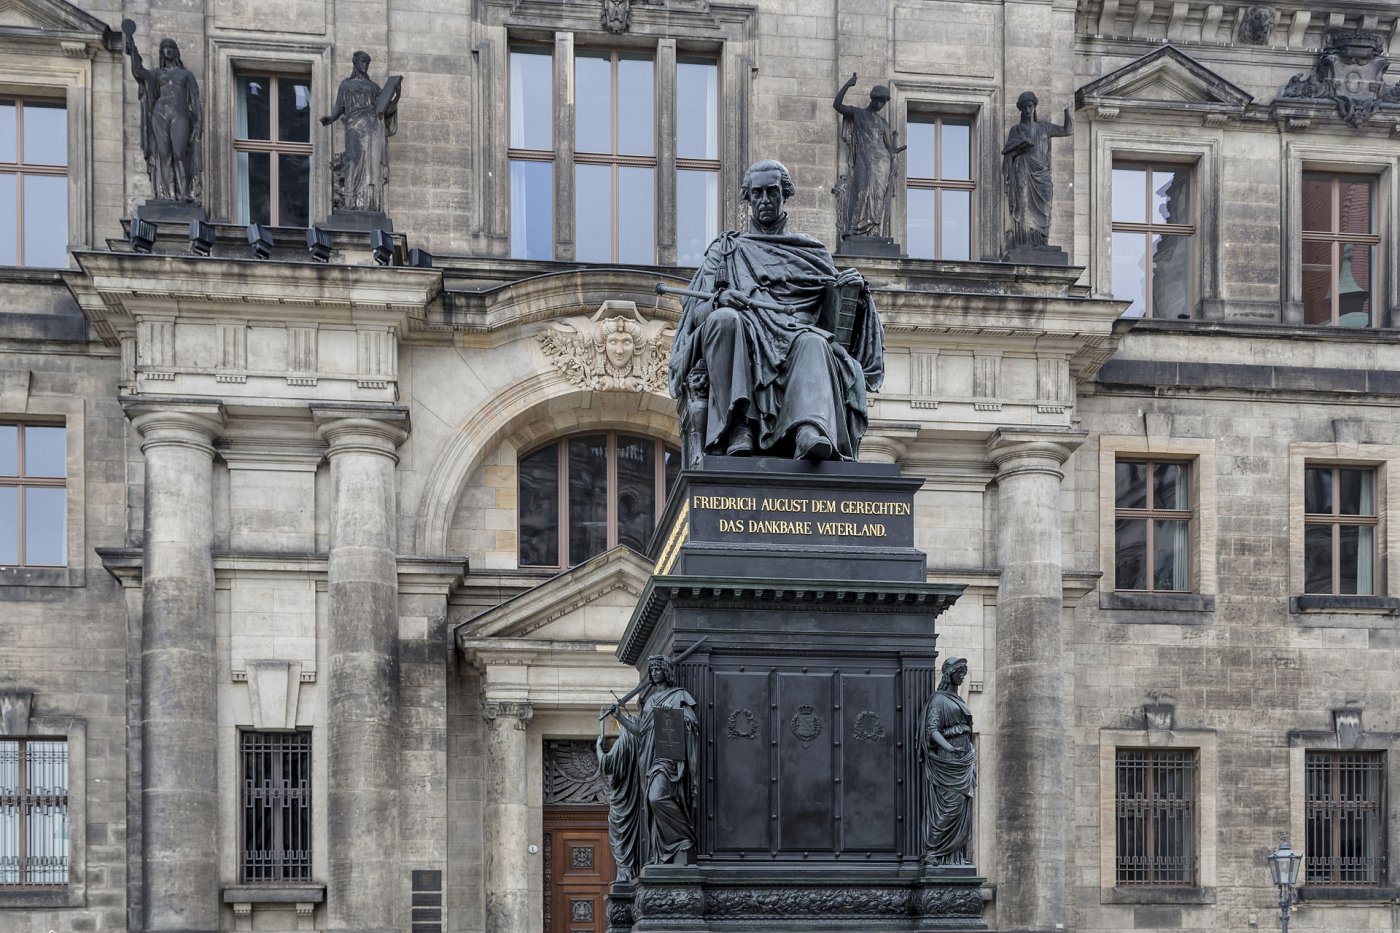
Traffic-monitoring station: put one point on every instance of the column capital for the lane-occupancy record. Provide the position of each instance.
(372, 430)
(501, 711)
(1029, 450)
(887, 441)
(176, 424)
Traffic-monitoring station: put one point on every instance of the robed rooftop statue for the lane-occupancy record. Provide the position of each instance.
(776, 349)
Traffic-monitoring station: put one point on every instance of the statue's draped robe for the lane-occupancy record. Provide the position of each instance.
(670, 786)
(871, 143)
(364, 165)
(623, 777)
(950, 779)
(1025, 168)
(776, 370)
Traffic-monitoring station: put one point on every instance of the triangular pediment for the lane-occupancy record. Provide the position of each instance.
(57, 19)
(1165, 80)
(588, 603)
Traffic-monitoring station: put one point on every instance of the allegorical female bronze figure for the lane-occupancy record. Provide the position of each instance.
(1025, 169)
(172, 121)
(950, 771)
(626, 829)
(371, 116)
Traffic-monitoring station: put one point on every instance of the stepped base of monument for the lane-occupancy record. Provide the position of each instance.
(744, 898)
(169, 211)
(359, 221)
(873, 246)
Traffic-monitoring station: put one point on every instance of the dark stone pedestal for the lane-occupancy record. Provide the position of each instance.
(1037, 256)
(621, 895)
(875, 246)
(818, 657)
(359, 221)
(170, 212)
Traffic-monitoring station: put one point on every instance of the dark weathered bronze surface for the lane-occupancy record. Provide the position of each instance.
(863, 194)
(773, 378)
(1025, 170)
(371, 115)
(172, 125)
(949, 770)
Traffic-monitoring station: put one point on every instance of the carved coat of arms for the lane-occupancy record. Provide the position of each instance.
(614, 350)
(1350, 72)
(617, 15)
(806, 725)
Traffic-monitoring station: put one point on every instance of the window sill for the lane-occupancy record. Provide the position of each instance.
(1373, 605)
(1146, 894)
(41, 576)
(1159, 608)
(274, 893)
(19, 899)
(1316, 893)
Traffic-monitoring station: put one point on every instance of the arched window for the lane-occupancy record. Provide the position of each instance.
(583, 494)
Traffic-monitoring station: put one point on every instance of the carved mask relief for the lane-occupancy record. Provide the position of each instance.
(614, 350)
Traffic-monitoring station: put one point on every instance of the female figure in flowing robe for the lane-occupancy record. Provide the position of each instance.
(871, 144)
(371, 117)
(1025, 169)
(172, 120)
(950, 770)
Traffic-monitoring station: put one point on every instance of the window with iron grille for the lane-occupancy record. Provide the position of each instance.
(1156, 816)
(276, 830)
(1345, 803)
(33, 813)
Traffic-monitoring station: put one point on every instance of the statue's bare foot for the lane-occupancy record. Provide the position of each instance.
(811, 445)
(740, 442)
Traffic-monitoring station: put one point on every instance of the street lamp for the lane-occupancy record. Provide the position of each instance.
(1284, 866)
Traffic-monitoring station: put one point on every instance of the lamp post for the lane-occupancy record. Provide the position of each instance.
(1284, 865)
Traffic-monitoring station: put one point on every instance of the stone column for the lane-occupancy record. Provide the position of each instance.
(179, 723)
(506, 830)
(363, 653)
(1033, 747)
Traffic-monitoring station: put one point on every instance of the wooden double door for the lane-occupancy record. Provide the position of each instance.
(578, 869)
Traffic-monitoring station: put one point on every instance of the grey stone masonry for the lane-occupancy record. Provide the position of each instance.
(179, 807)
(1032, 733)
(363, 649)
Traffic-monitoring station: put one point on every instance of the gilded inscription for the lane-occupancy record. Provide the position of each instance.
(778, 515)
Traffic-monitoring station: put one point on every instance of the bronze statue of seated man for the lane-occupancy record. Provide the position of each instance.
(786, 361)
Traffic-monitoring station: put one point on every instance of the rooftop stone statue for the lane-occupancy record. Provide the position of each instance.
(172, 125)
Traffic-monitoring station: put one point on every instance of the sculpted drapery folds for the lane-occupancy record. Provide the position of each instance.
(1025, 169)
(667, 741)
(371, 116)
(777, 382)
(950, 770)
(872, 150)
(172, 121)
(626, 830)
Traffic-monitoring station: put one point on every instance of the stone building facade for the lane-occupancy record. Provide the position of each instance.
(298, 605)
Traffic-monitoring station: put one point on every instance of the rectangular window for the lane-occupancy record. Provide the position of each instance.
(940, 187)
(614, 157)
(1152, 526)
(1340, 247)
(1154, 230)
(33, 495)
(697, 158)
(1339, 530)
(33, 813)
(1344, 806)
(33, 183)
(276, 807)
(531, 153)
(1155, 802)
(272, 149)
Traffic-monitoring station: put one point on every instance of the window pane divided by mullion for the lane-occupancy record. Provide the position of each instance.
(276, 814)
(51, 247)
(939, 209)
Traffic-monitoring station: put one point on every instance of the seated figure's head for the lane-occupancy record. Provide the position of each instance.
(767, 185)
